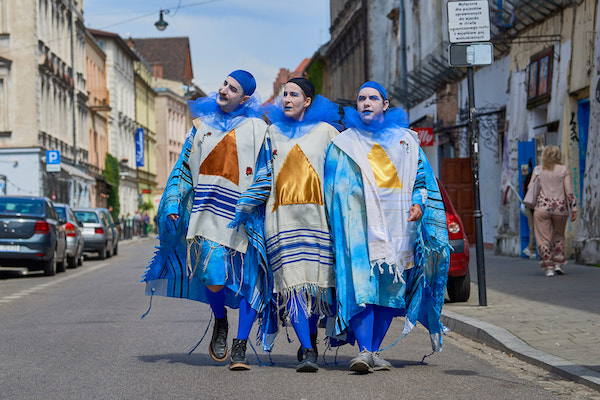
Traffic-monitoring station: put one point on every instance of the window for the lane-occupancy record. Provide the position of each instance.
(540, 78)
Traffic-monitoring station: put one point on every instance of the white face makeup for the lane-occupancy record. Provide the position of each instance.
(230, 95)
(370, 105)
(295, 102)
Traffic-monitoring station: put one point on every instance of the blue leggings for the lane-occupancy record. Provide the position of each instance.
(304, 326)
(371, 325)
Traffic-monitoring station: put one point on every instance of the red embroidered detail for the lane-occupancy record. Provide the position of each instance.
(248, 171)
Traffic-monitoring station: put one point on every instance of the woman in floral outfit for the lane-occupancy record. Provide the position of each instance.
(552, 210)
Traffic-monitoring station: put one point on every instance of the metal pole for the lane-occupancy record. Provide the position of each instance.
(477, 209)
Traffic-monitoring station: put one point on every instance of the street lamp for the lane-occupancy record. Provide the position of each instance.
(161, 24)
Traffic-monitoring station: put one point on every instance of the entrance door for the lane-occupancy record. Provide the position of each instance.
(457, 179)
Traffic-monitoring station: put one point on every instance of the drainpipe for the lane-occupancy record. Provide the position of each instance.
(404, 67)
(365, 40)
(74, 76)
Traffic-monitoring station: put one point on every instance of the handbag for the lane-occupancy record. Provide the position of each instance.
(533, 190)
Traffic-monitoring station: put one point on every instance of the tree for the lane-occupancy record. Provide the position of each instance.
(112, 177)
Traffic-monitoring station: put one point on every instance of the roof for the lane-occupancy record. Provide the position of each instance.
(173, 54)
(120, 42)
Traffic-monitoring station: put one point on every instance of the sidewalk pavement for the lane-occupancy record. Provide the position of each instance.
(550, 322)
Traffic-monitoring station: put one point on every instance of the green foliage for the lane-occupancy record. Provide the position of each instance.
(111, 174)
(315, 75)
(147, 206)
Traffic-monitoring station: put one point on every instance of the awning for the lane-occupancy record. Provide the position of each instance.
(77, 173)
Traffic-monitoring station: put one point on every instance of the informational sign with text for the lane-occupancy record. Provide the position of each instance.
(468, 21)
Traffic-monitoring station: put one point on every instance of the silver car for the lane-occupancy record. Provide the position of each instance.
(97, 232)
(116, 229)
(74, 234)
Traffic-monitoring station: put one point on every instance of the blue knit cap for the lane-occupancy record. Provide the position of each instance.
(246, 81)
(376, 86)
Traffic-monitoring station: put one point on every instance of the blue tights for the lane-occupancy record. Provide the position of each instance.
(247, 313)
(247, 317)
(303, 326)
(216, 301)
(371, 325)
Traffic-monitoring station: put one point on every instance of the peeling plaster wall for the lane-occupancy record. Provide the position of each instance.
(588, 241)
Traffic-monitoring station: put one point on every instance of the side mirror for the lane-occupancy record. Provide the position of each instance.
(80, 224)
(62, 221)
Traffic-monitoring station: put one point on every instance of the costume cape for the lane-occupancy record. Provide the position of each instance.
(422, 297)
(167, 274)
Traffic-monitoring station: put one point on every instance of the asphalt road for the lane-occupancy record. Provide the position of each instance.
(79, 335)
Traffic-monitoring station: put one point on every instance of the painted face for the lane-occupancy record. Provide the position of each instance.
(295, 102)
(370, 105)
(230, 95)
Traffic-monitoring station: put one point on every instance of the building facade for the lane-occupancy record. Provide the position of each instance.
(98, 108)
(122, 126)
(43, 98)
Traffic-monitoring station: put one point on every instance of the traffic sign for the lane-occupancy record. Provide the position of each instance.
(470, 54)
(468, 21)
(52, 160)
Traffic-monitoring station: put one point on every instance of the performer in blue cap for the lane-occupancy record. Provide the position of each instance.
(388, 228)
(288, 189)
(199, 258)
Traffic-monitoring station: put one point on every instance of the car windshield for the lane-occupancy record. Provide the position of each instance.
(61, 211)
(21, 206)
(86, 216)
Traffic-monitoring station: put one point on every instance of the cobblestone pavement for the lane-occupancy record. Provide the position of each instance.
(558, 317)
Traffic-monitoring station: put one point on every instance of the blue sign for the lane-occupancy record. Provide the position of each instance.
(139, 147)
(52, 161)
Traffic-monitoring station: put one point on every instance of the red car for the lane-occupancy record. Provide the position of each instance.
(459, 280)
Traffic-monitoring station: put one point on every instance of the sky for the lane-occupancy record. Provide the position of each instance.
(260, 36)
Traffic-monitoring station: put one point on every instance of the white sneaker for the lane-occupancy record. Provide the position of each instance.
(549, 272)
(558, 269)
(527, 252)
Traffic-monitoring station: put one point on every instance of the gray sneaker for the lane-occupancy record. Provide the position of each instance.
(558, 270)
(379, 364)
(363, 363)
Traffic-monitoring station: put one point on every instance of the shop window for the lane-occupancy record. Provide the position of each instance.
(540, 78)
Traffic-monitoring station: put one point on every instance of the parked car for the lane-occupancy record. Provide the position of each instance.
(459, 279)
(116, 230)
(97, 233)
(74, 235)
(31, 234)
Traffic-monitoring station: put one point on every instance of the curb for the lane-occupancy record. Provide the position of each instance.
(501, 339)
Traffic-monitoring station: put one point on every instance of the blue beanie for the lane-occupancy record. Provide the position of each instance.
(376, 86)
(245, 79)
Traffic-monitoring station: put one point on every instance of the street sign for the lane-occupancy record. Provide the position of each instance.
(468, 21)
(425, 135)
(139, 147)
(52, 160)
(470, 54)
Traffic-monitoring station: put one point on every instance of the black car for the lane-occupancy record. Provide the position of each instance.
(31, 234)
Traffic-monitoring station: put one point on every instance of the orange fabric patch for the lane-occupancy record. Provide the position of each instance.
(223, 160)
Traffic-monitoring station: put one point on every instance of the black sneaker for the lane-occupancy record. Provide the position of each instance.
(313, 342)
(218, 344)
(238, 361)
(308, 362)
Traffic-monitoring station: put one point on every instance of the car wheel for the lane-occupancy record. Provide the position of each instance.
(72, 262)
(61, 266)
(50, 265)
(102, 253)
(116, 250)
(80, 260)
(459, 288)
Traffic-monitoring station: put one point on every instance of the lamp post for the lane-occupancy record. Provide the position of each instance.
(161, 24)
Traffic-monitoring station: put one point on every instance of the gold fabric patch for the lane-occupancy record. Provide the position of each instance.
(386, 175)
(223, 160)
(297, 181)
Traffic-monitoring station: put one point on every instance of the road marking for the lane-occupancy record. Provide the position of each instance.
(26, 292)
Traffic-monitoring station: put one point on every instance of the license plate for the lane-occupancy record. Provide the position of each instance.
(15, 248)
